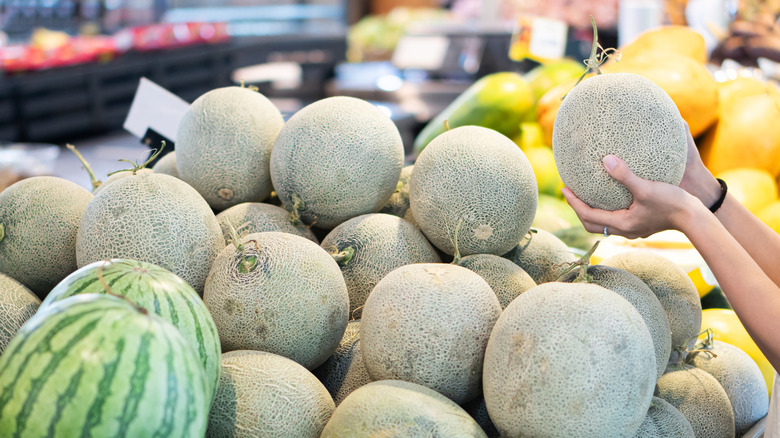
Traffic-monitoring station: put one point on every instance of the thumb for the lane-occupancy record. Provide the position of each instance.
(618, 169)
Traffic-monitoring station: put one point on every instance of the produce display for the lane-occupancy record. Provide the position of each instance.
(301, 278)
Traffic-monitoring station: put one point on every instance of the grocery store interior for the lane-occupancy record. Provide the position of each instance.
(70, 69)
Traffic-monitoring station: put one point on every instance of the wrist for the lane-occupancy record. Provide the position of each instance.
(693, 212)
(704, 186)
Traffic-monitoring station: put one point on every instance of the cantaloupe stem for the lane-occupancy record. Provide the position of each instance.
(456, 256)
(704, 347)
(344, 256)
(446, 125)
(95, 182)
(2, 232)
(248, 263)
(354, 312)
(594, 61)
(136, 166)
(108, 290)
(582, 264)
(295, 210)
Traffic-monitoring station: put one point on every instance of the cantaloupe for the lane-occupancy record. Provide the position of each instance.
(393, 408)
(542, 255)
(477, 408)
(17, 305)
(336, 159)
(263, 394)
(630, 287)
(39, 220)
(224, 145)
(257, 217)
(154, 218)
(505, 278)
(622, 114)
(674, 290)
(568, 360)
(664, 420)
(700, 398)
(369, 246)
(740, 377)
(477, 181)
(399, 200)
(344, 370)
(167, 165)
(279, 293)
(428, 323)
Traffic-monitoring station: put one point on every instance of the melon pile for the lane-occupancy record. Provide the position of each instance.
(372, 299)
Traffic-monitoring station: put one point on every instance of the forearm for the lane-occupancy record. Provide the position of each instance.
(760, 241)
(754, 296)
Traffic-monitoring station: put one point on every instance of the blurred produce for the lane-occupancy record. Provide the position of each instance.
(748, 131)
(547, 76)
(543, 163)
(754, 34)
(770, 215)
(727, 327)
(374, 37)
(573, 12)
(681, 40)
(753, 188)
(497, 101)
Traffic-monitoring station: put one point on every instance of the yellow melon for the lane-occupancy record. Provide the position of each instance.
(681, 40)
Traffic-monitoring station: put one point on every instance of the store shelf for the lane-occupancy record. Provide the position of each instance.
(63, 104)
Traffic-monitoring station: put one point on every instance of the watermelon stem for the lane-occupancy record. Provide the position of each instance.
(596, 58)
(344, 256)
(95, 182)
(108, 290)
(136, 166)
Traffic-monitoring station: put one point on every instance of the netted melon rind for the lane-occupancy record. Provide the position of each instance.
(399, 200)
(167, 165)
(674, 289)
(625, 115)
(381, 243)
(344, 370)
(224, 144)
(542, 255)
(630, 287)
(429, 323)
(398, 408)
(41, 216)
(263, 394)
(742, 380)
(260, 217)
(506, 279)
(153, 218)
(294, 303)
(700, 398)
(341, 156)
(17, 305)
(479, 178)
(664, 420)
(569, 360)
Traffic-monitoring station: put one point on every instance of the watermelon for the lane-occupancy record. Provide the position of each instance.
(95, 365)
(159, 291)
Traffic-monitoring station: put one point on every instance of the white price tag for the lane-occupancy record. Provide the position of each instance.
(156, 108)
(548, 38)
(423, 52)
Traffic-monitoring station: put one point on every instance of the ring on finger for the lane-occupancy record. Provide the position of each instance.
(606, 232)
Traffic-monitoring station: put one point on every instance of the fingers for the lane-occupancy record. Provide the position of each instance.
(618, 169)
(592, 219)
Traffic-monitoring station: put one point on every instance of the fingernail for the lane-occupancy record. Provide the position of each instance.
(610, 162)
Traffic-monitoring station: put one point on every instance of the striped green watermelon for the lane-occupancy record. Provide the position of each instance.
(97, 366)
(157, 290)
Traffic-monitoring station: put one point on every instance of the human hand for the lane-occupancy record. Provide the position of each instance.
(656, 206)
